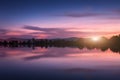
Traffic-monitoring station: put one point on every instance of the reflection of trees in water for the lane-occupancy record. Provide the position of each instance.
(103, 44)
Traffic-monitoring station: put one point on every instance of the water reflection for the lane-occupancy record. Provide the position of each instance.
(113, 49)
(58, 63)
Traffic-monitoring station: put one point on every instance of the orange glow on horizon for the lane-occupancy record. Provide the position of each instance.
(95, 39)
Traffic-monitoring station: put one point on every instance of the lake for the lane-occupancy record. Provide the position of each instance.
(58, 64)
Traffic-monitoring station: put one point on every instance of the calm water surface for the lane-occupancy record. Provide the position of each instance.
(58, 64)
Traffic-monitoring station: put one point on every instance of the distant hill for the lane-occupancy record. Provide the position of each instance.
(23, 39)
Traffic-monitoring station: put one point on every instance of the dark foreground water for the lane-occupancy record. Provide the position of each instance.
(58, 64)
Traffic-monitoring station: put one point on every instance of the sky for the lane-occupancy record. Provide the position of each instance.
(59, 18)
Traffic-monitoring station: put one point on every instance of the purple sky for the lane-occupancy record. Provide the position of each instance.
(59, 18)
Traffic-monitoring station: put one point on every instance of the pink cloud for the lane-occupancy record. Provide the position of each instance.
(39, 32)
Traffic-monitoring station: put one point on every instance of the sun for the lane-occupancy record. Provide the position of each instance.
(95, 38)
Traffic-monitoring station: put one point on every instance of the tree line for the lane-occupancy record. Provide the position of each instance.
(113, 43)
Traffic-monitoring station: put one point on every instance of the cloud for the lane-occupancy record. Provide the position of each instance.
(39, 32)
(113, 14)
(79, 15)
(3, 31)
(64, 32)
(114, 18)
(117, 11)
(48, 32)
(42, 29)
